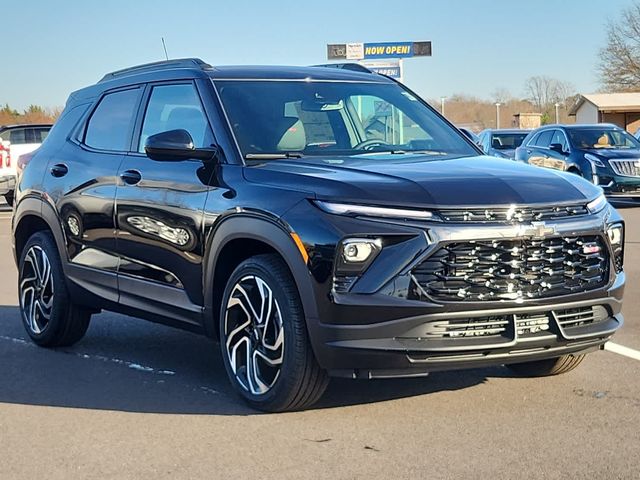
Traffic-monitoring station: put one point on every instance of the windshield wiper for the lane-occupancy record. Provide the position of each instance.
(272, 156)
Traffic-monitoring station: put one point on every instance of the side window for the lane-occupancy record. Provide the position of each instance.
(173, 107)
(39, 134)
(544, 139)
(110, 125)
(18, 136)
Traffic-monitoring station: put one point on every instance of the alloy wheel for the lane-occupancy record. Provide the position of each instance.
(36, 289)
(254, 335)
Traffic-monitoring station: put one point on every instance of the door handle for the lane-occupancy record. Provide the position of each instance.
(59, 170)
(131, 177)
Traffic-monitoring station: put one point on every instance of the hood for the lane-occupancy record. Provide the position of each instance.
(422, 181)
(612, 153)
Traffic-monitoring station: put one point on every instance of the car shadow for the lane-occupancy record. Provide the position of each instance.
(124, 364)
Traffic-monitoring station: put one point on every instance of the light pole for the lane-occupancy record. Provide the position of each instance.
(557, 105)
(442, 99)
(498, 114)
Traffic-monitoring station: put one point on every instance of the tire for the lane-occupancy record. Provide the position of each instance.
(544, 368)
(9, 198)
(283, 373)
(48, 314)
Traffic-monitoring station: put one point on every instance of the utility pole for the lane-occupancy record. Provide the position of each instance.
(442, 99)
(498, 114)
(557, 105)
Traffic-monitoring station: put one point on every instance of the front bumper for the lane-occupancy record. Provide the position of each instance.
(614, 185)
(399, 349)
(374, 331)
(7, 184)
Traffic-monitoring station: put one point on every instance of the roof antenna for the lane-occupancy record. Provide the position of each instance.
(165, 49)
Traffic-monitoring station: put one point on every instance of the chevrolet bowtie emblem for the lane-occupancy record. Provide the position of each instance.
(536, 230)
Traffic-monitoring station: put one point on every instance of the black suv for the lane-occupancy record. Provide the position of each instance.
(318, 221)
(604, 154)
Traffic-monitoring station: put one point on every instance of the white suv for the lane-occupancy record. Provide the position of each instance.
(16, 140)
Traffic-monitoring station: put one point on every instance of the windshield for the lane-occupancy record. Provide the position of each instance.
(507, 141)
(602, 138)
(296, 118)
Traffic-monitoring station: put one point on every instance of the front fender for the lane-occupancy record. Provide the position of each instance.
(270, 232)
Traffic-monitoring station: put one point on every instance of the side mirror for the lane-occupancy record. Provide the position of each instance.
(175, 145)
(557, 147)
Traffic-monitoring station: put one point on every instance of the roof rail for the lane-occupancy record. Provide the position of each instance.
(355, 67)
(162, 65)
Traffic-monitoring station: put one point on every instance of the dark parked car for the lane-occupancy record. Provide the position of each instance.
(604, 154)
(318, 221)
(501, 143)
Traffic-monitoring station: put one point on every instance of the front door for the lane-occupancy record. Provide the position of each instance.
(159, 210)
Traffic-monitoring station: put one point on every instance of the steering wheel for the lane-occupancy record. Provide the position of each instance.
(371, 142)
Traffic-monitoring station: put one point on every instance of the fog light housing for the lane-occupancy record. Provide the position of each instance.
(358, 250)
(615, 233)
(353, 257)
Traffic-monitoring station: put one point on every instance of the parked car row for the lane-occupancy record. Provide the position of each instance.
(604, 154)
(17, 140)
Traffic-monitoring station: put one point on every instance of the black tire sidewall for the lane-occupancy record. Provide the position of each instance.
(60, 308)
(290, 371)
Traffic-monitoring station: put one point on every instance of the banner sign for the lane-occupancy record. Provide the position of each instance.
(378, 50)
(391, 69)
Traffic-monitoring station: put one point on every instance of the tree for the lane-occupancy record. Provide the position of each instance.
(545, 91)
(620, 59)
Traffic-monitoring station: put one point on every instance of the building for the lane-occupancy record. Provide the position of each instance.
(527, 121)
(622, 109)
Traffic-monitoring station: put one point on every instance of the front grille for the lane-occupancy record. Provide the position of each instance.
(511, 269)
(578, 317)
(506, 327)
(510, 214)
(626, 168)
(465, 328)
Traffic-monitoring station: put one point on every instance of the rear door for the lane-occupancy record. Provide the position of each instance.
(538, 148)
(81, 182)
(558, 160)
(160, 208)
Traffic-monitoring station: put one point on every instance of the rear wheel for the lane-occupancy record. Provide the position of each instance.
(48, 314)
(551, 366)
(264, 340)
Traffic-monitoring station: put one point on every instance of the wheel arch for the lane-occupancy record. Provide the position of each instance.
(33, 215)
(240, 237)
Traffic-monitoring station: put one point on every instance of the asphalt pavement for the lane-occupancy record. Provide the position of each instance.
(138, 400)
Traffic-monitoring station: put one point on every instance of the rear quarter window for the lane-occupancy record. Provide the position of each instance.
(111, 123)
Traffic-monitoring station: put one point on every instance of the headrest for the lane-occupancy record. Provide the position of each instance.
(291, 134)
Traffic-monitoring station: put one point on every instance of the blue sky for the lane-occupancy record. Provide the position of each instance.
(52, 47)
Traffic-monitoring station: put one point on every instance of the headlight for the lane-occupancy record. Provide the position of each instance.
(598, 204)
(370, 211)
(616, 239)
(594, 160)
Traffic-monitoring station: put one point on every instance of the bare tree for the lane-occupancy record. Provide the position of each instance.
(502, 95)
(620, 59)
(543, 92)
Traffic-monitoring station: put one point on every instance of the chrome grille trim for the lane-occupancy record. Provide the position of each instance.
(511, 214)
(626, 168)
(517, 270)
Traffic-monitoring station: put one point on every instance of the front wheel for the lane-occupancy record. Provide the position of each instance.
(264, 339)
(48, 313)
(548, 367)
